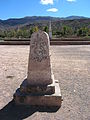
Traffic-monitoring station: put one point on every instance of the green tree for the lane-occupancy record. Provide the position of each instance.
(2, 34)
(66, 31)
(46, 29)
(19, 33)
(89, 32)
(82, 32)
(36, 29)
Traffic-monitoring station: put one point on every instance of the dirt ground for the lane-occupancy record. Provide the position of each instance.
(71, 66)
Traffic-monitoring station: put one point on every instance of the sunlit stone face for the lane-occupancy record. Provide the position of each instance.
(39, 48)
(39, 67)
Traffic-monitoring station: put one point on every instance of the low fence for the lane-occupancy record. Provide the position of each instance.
(55, 41)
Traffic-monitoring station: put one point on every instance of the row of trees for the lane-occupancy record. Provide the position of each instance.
(65, 31)
(20, 33)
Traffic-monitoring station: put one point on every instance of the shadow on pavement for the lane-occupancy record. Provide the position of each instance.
(17, 112)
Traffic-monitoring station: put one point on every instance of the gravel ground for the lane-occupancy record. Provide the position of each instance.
(71, 66)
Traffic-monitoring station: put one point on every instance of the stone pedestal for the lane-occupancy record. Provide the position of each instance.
(52, 97)
(40, 87)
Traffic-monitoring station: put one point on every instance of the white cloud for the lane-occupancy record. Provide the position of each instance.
(71, 0)
(52, 10)
(46, 2)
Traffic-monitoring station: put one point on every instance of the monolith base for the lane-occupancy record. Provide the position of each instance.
(54, 99)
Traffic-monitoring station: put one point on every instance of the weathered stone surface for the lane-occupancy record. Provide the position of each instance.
(40, 87)
(39, 67)
(37, 90)
(43, 100)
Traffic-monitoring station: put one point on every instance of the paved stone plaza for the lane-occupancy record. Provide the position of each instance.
(71, 66)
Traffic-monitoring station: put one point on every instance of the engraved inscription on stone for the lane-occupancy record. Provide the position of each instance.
(39, 48)
(39, 67)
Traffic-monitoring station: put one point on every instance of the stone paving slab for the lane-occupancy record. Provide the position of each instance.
(71, 66)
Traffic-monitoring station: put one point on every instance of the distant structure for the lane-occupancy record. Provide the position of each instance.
(50, 30)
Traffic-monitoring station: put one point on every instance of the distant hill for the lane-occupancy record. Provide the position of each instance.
(20, 22)
(75, 17)
(24, 21)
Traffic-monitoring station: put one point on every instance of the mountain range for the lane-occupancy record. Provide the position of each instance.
(21, 22)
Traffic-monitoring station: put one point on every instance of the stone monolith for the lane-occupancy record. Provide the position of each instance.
(40, 87)
(39, 67)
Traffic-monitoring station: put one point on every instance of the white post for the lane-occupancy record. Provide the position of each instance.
(50, 30)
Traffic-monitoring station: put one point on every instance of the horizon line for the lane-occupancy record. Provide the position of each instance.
(44, 16)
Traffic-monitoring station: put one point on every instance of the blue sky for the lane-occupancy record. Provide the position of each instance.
(57, 8)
